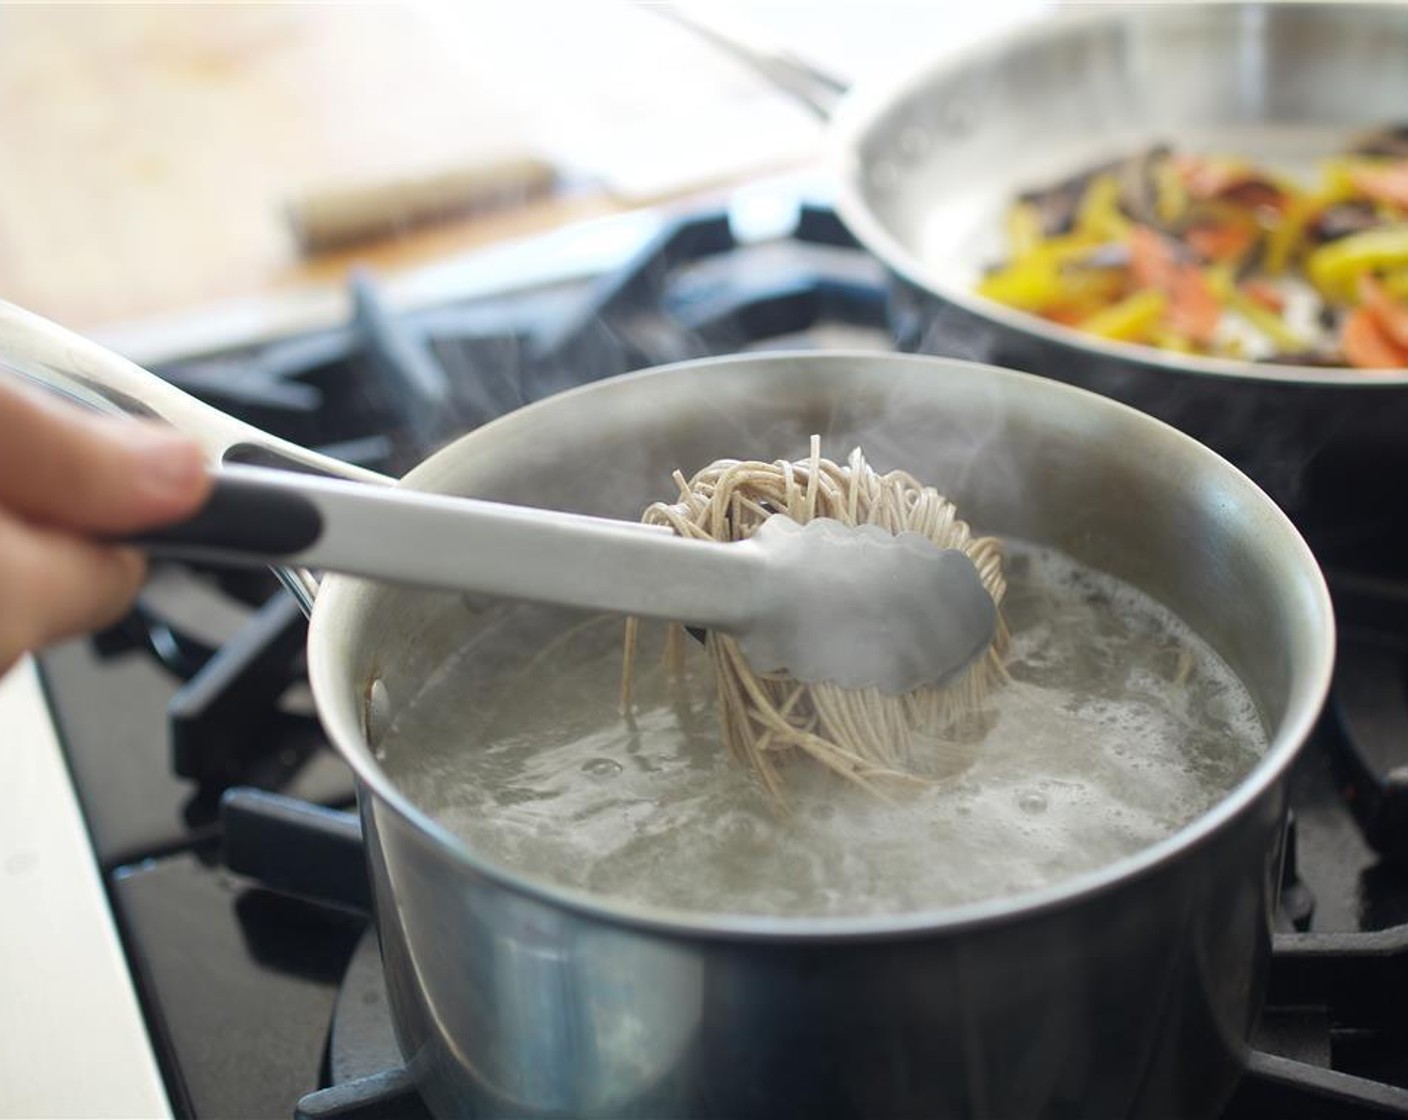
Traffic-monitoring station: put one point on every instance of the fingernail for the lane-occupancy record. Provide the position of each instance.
(170, 463)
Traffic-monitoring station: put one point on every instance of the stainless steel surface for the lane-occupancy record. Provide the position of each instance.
(818, 90)
(928, 163)
(1127, 991)
(860, 607)
(925, 163)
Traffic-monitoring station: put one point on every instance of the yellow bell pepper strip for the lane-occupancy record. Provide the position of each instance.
(1395, 282)
(1285, 236)
(1023, 229)
(1170, 195)
(1130, 320)
(1028, 285)
(1335, 268)
(1338, 177)
(1035, 280)
(1166, 339)
(1099, 214)
(1224, 287)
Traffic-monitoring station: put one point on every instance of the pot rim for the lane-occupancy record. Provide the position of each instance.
(1307, 698)
(861, 109)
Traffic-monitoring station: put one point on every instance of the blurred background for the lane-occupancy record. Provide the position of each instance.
(162, 157)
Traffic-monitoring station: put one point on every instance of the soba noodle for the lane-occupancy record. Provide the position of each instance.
(864, 735)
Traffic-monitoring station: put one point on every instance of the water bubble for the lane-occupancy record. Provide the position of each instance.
(669, 818)
(740, 828)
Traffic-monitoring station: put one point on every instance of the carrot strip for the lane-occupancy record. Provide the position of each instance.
(1193, 310)
(1129, 320)
(1065, 314)
(1391, 315)
(1219, 242)
(1383, 184)
(1365, 344)
(1266, 294)
(1207, 179)
(1151, 258)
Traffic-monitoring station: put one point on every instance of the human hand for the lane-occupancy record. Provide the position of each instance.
(68, 477)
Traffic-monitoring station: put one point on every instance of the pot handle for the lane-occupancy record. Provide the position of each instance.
(809, 84)
(35, 350)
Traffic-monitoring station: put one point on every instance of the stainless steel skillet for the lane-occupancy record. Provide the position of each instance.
(925, 161)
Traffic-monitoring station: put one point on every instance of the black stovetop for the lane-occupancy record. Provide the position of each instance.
(214, 801)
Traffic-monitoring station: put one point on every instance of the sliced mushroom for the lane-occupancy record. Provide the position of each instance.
(1139, 193)
(1058, 203)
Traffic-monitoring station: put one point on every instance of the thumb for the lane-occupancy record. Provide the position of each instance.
(65, 468)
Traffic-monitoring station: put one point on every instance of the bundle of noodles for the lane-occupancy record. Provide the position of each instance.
(864, 735)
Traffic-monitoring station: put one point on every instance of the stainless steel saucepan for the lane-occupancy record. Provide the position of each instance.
(926, 161)
(1128, 991)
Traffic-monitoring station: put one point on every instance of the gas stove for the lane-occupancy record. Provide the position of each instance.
(219, 816)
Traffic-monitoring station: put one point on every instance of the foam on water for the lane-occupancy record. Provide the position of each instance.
(1119, 726)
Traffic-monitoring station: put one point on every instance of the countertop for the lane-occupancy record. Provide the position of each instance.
(150, 152)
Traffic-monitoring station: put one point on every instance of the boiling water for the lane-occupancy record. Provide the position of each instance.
(1118, 727)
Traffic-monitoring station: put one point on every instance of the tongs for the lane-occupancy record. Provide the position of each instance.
(823, 601)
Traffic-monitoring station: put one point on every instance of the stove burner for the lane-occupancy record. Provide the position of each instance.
(361, 1041)
(1368, 711)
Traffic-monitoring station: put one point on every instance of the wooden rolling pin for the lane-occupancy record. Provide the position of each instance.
(342, 216)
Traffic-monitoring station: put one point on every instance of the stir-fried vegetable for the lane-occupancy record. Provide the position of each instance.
(1217, 256)
(1336, 268)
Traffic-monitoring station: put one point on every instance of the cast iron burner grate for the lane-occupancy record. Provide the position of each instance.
(1367, 716)
(1333, 1031)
